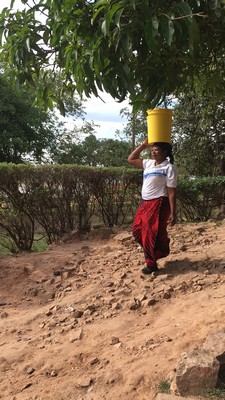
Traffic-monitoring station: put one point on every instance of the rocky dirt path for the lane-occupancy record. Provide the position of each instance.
(79, 321)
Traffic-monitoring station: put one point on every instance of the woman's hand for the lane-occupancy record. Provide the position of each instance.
(134, 159)
(172, 201)
(172, 220)
(145, 143)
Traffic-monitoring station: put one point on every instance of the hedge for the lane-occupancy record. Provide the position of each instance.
(57, 199)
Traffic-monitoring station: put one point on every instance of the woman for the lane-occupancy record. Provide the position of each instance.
(158, 204)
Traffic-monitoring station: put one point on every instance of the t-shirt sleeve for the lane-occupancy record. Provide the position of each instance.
(171, 179)
(144, 163)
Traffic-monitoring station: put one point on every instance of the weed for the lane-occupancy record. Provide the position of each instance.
(214, 393)
(164, 386)
(39, 244)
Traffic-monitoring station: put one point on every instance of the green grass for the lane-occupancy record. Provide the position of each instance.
(4, 251)
(39, 245)
(214, 393)
(164, 386)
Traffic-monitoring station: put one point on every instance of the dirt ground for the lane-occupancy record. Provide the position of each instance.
(80, 322)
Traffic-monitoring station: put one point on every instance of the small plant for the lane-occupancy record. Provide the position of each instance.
(164, 386)
(39, 244)
(215, 393)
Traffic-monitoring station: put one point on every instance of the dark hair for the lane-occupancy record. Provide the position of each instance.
(165, 147)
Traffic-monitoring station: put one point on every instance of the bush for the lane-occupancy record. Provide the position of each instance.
(199, 199)
(60, 199)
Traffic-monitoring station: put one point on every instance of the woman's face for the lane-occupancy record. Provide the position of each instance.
(158, 154)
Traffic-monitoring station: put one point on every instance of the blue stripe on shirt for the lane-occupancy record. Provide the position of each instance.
(154, 173)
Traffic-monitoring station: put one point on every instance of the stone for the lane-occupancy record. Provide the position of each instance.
(165, 396)
(101, 233)
(134, 305)
(77, 335)
(77, 313)
(94, 361)
(4, 314)
(196, 371)
(54, 373)
(215, 342)
(123, 237)
(116, 306)
(30, 370)
(84, 382)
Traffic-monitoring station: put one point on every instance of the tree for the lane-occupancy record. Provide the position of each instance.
(95, 152)
(199, 131)
(26, 130)
(114, 153)
(136, 128)
(81, 152)
(146, 49)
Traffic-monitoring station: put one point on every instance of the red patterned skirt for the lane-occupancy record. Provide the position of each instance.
(150, 228)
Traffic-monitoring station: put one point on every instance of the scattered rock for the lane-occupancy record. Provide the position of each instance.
(123, 237)
(4, 314)
(77, 335)
(83, 299)
(94, 361)
(29, 370)
(84, 381)
(165, 396)
(196, 371)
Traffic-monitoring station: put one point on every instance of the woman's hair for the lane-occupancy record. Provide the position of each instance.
(166, 147)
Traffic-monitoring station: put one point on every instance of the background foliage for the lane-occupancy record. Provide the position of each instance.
(55, 200)
(145, 49)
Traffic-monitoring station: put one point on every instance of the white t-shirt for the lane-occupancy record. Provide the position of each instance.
(156, 179)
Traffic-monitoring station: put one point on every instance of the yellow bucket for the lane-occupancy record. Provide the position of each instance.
(159, 122)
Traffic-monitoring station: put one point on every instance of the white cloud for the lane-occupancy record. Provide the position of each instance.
(106, 114)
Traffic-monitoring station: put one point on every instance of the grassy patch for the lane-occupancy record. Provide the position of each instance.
(215, 393)
(7, 246)
(4, 251)
(164, 386)
(39, 244)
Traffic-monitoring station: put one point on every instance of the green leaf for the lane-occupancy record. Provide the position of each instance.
(61, 107)
(151, 31)
(213, 4)
(167, 28)
(46, 36)
(118, 16)
(98, 12)
(104, 28)
(115, 9)
(110, 13)
(185, 11)
(28, 43)
(194, 37)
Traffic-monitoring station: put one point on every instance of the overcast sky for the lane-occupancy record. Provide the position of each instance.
(105, 114)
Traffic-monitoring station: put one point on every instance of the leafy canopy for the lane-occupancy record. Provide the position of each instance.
(142, 48)
(199, 131)
(94, 152)
(26, 130)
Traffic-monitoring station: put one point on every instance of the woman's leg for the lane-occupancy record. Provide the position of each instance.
(161, 248)
(137, 224)
(145, 228)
